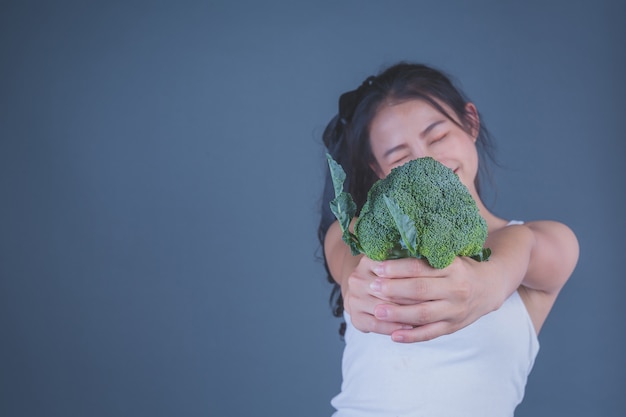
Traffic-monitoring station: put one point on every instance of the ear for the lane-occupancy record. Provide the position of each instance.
(472, 118)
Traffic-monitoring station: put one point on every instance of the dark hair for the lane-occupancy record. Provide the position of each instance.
(346, 136)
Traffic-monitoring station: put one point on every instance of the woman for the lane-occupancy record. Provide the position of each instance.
(477, 322)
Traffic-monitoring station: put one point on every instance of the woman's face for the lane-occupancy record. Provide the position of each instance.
(414, 129)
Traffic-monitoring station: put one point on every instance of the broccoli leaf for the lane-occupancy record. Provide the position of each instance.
(405, 225)
(400, 252)
(344, 209)
(343, 206)
(353, 242)
(337, 174)
(482, 255)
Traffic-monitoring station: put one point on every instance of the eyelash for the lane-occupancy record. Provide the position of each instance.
(440, 138)
(400, 160)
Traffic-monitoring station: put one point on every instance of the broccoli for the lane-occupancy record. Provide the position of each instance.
(421, 210)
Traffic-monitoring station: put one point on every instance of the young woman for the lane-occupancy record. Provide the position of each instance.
(459, 341)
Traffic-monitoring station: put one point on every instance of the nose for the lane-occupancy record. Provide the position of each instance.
(421, 150)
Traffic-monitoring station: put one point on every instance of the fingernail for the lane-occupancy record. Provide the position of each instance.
(397, 338)
(378, 269)
(381, 313)
(375, 285)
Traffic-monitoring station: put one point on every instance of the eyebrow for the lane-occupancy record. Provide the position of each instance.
(422, 135)
(431, 127)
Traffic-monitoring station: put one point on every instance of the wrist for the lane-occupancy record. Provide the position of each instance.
(498, 285)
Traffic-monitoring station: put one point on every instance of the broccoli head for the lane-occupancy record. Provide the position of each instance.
(421, 209)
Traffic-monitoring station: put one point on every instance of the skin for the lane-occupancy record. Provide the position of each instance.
(408, 299)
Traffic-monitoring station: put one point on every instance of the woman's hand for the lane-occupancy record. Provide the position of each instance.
(414, 302)
(433, 301)
(360, 301)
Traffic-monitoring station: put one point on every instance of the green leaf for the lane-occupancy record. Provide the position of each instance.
(337, 174)
(482, 255)
(406, 226)
(343, 206)
(353, 242)
(344, 209)
(400, 251)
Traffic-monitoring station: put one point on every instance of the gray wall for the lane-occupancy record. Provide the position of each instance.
(160, 165)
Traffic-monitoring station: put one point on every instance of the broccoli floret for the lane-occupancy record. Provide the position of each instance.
(421, 209)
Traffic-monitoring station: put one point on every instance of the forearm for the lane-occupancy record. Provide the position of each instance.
(339, 258)
(507, 267)
(539, 255)
(449, 299)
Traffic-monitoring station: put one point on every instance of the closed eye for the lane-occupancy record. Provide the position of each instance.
(438, 138)
(399, 161)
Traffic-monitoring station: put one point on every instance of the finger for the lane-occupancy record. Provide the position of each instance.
(418, 314)
(411, 290)
(405, 268)
(423, 333)
(368, 323)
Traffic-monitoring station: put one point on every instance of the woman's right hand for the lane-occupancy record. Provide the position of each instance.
(358, 276)
(360, 299)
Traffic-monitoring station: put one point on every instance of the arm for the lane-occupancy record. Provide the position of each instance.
(542, 254)
(354, 274)
(553, 256)
(454, 297)
(391, 296)
(408, 299)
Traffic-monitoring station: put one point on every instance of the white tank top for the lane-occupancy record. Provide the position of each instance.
(481, 370)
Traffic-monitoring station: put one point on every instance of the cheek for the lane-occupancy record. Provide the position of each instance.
(471, 168)
(382, 173)
(378, 170)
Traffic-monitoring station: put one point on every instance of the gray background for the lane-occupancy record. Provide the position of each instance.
(160, 166)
